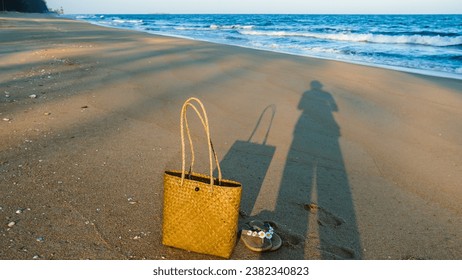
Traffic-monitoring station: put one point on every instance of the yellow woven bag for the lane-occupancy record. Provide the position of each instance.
(200, 213)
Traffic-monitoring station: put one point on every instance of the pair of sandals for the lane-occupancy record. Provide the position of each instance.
(259, 236)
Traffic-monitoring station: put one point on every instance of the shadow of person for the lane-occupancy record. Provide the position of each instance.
(314, 208)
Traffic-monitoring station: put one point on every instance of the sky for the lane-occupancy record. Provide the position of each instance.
(258, 6)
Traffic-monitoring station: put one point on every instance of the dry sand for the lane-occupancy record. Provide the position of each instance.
(350, 162)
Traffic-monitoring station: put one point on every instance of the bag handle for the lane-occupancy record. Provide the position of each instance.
(184, 125)
(273, 107)
(190, 140)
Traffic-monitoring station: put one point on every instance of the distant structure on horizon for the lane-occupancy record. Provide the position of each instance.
(24, 6)
(59, 11)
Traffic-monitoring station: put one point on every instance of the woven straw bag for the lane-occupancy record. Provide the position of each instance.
(200, 213)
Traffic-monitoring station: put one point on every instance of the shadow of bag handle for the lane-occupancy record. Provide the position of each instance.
(273, 110)
(184, 126)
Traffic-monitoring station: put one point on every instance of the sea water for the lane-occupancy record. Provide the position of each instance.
(429, 44)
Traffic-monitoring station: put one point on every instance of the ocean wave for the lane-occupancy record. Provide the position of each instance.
(322, 50)
(184, 28)
(135, 21)
(421, 33)
(214, 27)
(236, 26)
(437, 41)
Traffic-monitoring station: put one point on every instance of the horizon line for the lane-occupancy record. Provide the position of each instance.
(166, 13)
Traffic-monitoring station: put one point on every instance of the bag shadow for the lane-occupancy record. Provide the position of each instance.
(248, 161)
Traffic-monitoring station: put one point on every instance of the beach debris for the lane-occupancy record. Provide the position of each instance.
(84, 107)
(137, 237)
(132, 201)
(312, 207)
(11, 224)
(47, 113)
(6, 119)
(36, 257)
(33, 96)
(40, 239)
(19, 211)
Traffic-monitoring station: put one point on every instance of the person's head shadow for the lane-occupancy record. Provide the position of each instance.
(317, 97)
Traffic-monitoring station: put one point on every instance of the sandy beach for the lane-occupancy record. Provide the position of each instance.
(349, 161)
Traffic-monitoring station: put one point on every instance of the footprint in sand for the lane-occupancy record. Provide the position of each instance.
(325, 218)
(334, 252)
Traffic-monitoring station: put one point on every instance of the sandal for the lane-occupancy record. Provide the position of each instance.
(256, 240)
(276, 240)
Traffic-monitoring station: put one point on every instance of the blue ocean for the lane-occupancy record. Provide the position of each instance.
(429, 44)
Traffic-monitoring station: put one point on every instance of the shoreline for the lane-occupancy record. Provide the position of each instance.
(349, 161)
(432, 73)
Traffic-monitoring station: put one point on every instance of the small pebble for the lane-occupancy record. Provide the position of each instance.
(19, 211)
(6, 119)
(33, 96)
(47, 113)
(131, 201)
(11, 224)
(40, 239)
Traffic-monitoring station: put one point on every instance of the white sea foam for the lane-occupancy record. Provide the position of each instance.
(184, 28)
(127, 21)
(438, 41)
